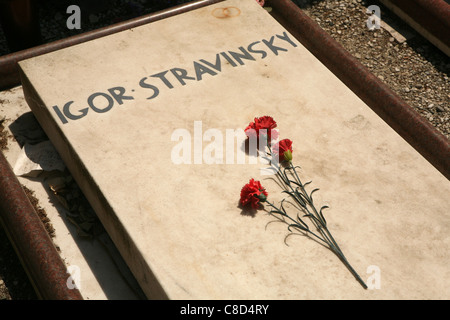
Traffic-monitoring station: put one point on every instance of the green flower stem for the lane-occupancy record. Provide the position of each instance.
(322, 225)
(277, 210)
(305, 201)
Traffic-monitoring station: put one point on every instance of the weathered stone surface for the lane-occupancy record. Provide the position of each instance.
(111, 107)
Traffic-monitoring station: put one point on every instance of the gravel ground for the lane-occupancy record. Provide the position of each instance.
(416, 70)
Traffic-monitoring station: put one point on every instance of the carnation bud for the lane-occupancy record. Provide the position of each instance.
(288, 155)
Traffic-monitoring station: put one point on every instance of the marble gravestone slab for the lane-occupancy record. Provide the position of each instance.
(139, 116)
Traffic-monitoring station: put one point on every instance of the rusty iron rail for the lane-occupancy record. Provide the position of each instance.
(430, 18)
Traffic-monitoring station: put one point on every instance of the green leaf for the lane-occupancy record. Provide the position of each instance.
(306, 183)
(297, 226)
(276, 211)
(299, 199)
(310, 195)
(321, 215)
(295, 182)
(302, 222)
(302, 197)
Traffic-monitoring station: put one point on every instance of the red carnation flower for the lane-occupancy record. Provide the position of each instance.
(283, 150)
(260, 126)
(253, 193)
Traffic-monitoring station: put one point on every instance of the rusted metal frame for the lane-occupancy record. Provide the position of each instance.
(430, 18)
(35, 248)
